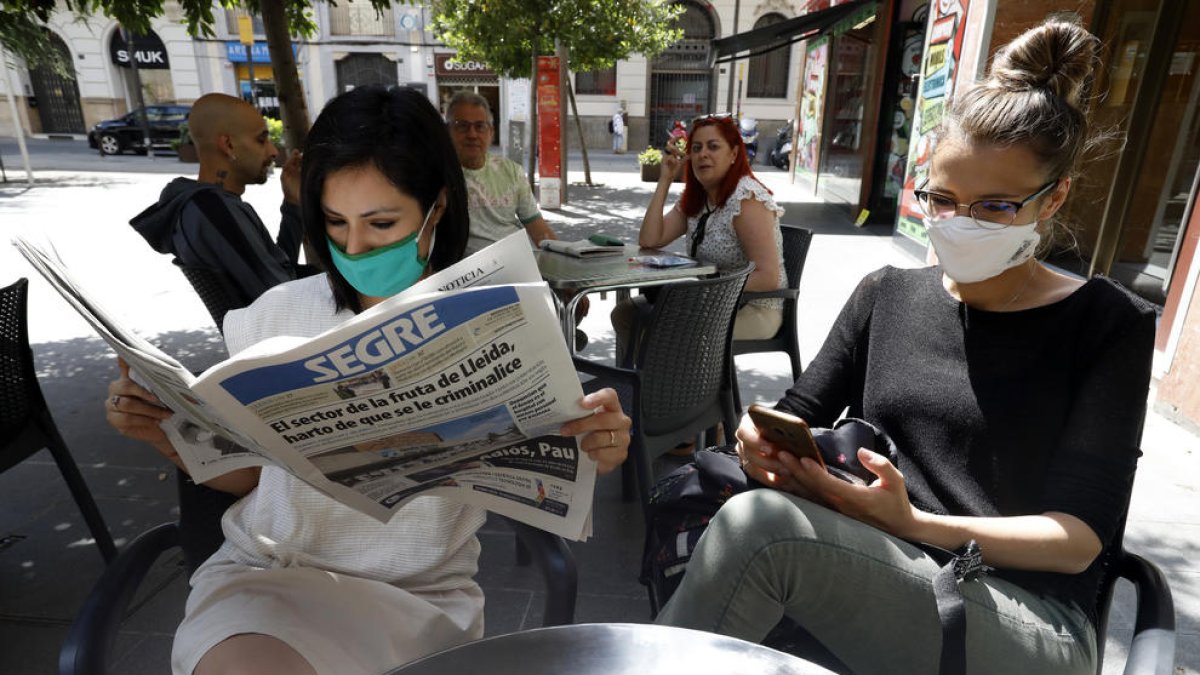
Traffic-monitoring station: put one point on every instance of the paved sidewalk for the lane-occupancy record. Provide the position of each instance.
(49, 565)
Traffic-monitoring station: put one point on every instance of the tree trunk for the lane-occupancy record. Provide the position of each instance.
(533, 120)
(292, 107)
(587, 167)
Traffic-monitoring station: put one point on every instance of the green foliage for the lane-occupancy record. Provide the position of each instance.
(650, 155)
(275, 131)
(506, 34)
(136, 14)
(185, 136)
(24, 35)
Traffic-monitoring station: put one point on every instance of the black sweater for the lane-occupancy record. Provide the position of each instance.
(205, 226)
(995, 413)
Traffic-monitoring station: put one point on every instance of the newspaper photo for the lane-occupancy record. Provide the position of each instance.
(456, 387)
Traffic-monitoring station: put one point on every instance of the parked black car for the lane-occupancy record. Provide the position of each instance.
(113, 137)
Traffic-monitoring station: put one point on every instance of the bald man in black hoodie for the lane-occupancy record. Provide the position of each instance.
(205, 223)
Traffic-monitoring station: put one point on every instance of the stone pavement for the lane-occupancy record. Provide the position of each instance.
(47, 562)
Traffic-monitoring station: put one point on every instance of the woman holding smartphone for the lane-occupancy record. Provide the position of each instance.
(304, 584)
(1015, 397)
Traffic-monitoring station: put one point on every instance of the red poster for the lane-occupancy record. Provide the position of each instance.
(549, 112)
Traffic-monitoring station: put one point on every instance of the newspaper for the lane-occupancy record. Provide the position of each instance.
(456, 387)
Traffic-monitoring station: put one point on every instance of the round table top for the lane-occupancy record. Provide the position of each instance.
(610, 649)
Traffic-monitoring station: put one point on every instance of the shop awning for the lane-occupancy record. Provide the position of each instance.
(782, 34)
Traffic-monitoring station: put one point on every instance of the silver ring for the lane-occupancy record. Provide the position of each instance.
(116, 401)
(612, 438)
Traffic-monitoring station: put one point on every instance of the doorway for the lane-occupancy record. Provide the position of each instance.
(1151, 231)
(57, 96)
(681, 81)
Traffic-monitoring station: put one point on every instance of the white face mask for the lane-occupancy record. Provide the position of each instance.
(969, 253)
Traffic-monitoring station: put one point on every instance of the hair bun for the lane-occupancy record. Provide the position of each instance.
(1056, 56)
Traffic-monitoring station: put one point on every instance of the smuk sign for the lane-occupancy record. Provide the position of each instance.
(148, 50)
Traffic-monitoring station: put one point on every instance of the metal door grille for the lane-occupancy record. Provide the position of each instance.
(57, 96)
(681, 81)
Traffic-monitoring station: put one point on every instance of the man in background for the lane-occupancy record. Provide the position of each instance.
(499, 201)
(498, 196)
(205, 223)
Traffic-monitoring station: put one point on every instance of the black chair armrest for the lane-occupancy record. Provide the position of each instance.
(603, 370)
(1152, 651)
(557, 565)
(91, 636)
(785, 293)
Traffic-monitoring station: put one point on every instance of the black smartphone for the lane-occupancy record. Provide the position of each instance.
(785, 431)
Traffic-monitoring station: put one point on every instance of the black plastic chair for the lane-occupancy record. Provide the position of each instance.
(91, 636)
(1152, 650)
(796, 241)
(26, 425)
(679, 385)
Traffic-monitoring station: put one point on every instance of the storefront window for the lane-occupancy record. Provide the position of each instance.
(1151, 232)
(848, 87)
(1150, 229)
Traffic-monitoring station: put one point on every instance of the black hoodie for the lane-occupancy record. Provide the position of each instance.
(202, 225)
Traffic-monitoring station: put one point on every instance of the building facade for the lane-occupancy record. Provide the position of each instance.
(864, 81)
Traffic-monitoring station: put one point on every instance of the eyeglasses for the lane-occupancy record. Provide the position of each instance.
(463, 126)
(990, 214)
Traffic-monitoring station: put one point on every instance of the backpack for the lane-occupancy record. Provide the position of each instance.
(682, 502)
(680, 506)
(610, 127)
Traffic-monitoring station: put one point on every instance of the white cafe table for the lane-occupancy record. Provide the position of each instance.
(611, 649)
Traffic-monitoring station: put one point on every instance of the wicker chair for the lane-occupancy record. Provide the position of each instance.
(26, 425)
(680, 381)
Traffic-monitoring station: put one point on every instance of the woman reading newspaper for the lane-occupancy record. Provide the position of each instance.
(304, 584)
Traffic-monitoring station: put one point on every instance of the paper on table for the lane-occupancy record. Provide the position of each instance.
(580, 249)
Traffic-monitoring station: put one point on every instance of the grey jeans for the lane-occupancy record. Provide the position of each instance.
(867, 596)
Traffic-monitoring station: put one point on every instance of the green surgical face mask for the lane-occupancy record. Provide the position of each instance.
(387, 270)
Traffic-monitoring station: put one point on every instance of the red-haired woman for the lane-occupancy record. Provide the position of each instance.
(728, 216)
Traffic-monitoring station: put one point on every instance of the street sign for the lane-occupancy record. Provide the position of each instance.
(246, 29)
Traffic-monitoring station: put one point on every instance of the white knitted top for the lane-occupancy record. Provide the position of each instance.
(429, 545)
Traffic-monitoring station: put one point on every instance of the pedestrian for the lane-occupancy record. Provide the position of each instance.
(304, 584)
(1014, 395)
(618, 132)
(205, 223)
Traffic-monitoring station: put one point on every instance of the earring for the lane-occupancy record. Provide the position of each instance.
(233, 158)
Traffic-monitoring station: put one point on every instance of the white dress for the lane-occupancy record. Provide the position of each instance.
(351, 595)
